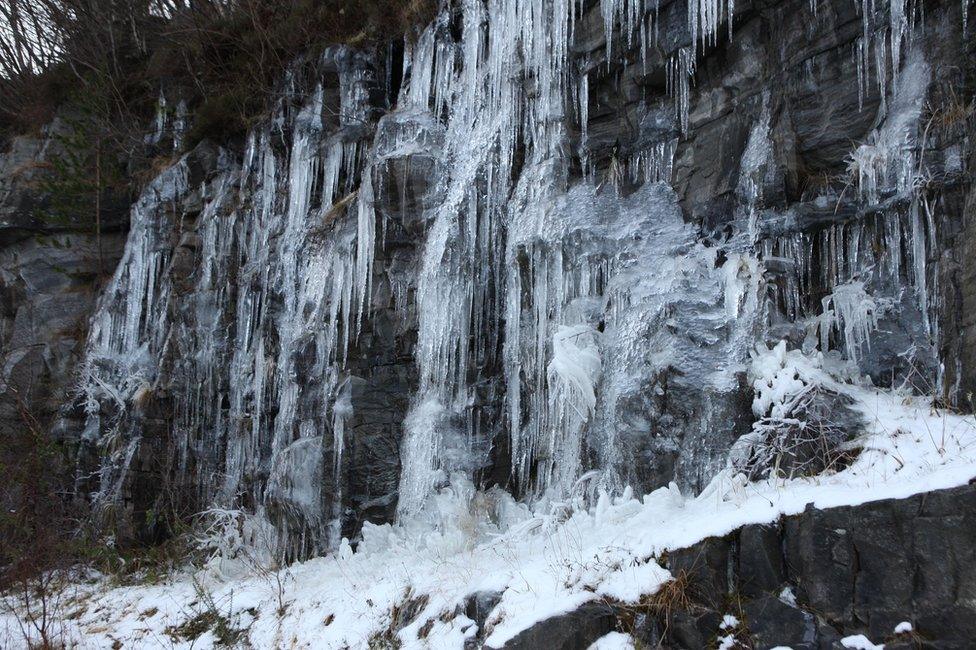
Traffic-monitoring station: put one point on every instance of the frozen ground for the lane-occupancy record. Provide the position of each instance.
(545, 562)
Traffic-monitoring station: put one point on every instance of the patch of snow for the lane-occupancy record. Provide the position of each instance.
(613, 641)
(726, 642)
(859, 642)
(904, 628)
(787, 596)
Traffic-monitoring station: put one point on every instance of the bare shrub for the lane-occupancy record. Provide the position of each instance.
(237, 536)
(226, 56)
(39, 539)
(815, 436)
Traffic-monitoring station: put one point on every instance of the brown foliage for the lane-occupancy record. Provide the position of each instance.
(225, 56)
(38, 529)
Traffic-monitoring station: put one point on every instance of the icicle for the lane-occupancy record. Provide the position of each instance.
(610, 10)
(705, 18)
(681, 68)
(365, 246)
(342, 410)
(741, 273)
(860, 58)
(572, 375)
(653, 164)
(898, 26)
(881, 66)
(851, 310)
(584, 117)
(919, 262)
(629, 16)
(503, 43)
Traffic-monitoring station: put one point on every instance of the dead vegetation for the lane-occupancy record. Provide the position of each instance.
(659, 608)
(207, 616)
(817, 436)
(98, 68)
(225, 57)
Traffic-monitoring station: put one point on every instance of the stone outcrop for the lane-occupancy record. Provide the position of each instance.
(783, 69)
(51, 269)
(809, 580)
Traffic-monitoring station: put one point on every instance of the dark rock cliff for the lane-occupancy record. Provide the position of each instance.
(51, 268)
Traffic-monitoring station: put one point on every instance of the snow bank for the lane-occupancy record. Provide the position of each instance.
(541, 563)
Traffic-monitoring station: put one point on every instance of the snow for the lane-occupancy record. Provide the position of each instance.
(728, 622)
(726, 642)
(859, 642)
(545, 562)
(904, 628)
(613, 641)
(787, 596)
(778, 376)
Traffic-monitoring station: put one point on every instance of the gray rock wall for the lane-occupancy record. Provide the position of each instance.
(50, 273)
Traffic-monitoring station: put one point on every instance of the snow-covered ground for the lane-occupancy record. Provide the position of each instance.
(545, 562)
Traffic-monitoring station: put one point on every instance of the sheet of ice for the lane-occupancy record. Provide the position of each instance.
(887, 160)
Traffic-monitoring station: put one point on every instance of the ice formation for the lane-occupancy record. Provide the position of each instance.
(851, 310)
(269, 249)
(580, 295)
(887, 161)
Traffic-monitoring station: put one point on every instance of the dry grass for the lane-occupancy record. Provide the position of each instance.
(954, 110)
(676, 595)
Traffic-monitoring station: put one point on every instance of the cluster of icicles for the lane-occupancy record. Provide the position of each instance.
(234, 359)
(284, 279)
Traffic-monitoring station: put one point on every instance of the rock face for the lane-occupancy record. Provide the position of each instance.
(515, 264)
(577, 629)
(536, 259)
(50, 272)
(810, 580)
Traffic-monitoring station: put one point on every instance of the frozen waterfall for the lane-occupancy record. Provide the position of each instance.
(561, 305)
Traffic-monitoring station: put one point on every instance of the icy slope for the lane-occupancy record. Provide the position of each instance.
(413, 580)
